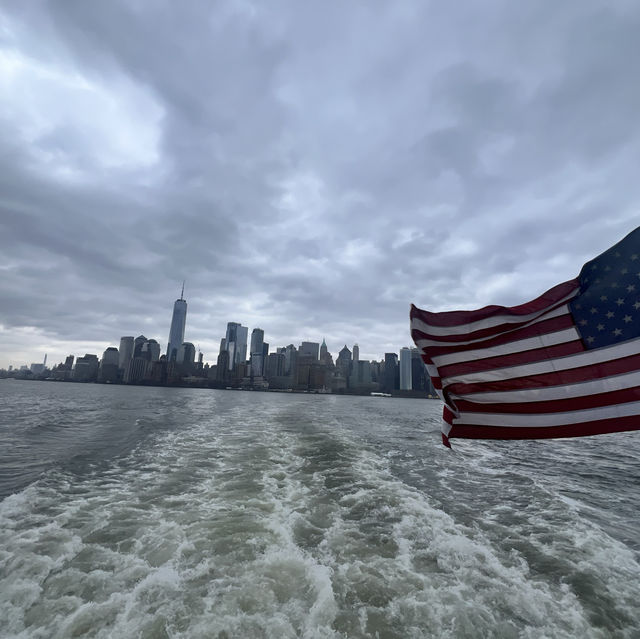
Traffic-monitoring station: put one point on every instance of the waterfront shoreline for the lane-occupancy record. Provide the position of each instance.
(397, 394)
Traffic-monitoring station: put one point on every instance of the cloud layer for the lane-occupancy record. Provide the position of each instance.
(310, 169)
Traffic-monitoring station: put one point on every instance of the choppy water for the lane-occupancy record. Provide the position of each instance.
(149, 512)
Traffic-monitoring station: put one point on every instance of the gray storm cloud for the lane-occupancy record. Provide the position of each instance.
(311, 169)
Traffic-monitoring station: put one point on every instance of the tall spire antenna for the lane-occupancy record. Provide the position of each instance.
(182, 293)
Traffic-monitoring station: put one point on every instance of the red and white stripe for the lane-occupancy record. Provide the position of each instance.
(524, 373)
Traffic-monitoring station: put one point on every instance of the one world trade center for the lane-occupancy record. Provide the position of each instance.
(176, 332)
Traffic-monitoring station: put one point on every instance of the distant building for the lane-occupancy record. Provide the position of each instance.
(405, 369)
(239, 373)
(186, 353)
(343, 363)
(376, 375)
(325, 356)
(138, 369)
(109, 365)
(356, 352)
(125, 351)
(319, 376)
(236, 344)
(138, 343)
(290, 360)
(309, 349)
(38, 368)
(256, 365)
(390, 379)
(223, 372)
(301, 379)
(344, 356)
(158, 374)
(256, 356)
(419, 379)
(111, 356)
(338, 381)
(86, 369)
(151, 350)
(178, 322)
(64, 372)
(360, 378)
(275, 365)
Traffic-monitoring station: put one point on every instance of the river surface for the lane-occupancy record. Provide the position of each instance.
(157, 512)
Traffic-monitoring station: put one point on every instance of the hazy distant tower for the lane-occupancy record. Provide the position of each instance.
(138, 343)
(256, 354)
(151, 350)
(125, 351)
(178, 321)
(325, 355)
(405, 369)
(309, 349)
(356, 352)
(186, 353)
(236, 343)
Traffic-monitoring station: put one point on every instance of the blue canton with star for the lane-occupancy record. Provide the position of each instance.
(607, 309)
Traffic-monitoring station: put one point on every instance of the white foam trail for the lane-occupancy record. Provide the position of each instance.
(253, 524)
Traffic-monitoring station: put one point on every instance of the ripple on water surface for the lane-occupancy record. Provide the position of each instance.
(247, 515)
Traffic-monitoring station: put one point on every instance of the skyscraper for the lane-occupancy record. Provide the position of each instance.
(256, 354)
(275, 365)
(151, 350)
(419, 378)
(360, 378)
(241, 350)
(390, 372)
(110, 357)
(325, 355)
(86, 368)
(108, 371)
(290, 359)
(125, 351)
(186, 353)
(236, 343)
(356, 352)
(343, 361)
(138, 343)
(405, 369)
(309, 349)
(176, 332)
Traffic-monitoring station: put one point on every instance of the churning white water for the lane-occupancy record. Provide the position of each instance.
(150, 512)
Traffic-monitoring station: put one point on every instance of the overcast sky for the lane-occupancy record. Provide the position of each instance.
(310, 168)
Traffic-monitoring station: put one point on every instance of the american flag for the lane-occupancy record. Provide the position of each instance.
(566, 364)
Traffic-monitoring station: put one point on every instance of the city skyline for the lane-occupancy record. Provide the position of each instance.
(177, 331)
(240, 364)
(58, 350)
(56, 357)
(309, 169)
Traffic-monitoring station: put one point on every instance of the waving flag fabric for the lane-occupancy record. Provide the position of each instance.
(566, 364)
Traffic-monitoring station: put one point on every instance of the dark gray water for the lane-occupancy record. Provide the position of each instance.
(150, 512)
